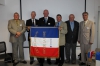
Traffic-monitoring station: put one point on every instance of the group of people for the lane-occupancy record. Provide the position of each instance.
(71, 32)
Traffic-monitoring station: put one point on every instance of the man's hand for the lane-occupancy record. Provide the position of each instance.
(16, 36)
(60, 28)
(18, 33)
(79, 42)
(28, 27)
(90, 43)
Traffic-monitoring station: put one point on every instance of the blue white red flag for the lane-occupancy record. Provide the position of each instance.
(44, 42)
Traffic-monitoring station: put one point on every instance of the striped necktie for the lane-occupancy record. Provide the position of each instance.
(45, 20)
(17, 22)
(58, 24)
(84, 24)
(32, 22)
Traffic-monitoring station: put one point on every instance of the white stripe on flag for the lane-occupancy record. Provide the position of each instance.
(45, 42)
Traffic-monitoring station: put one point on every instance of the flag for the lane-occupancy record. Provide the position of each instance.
(44, 42)
(90, 54)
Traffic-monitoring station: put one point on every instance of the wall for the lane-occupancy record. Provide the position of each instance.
(6, 13)
(98, 24)
(63, 7)
(2, 2)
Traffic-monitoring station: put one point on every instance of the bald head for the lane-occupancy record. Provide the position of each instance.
(71, 17)
(33, 14)
(45, 13)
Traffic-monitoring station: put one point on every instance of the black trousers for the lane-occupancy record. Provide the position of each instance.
(72, 47)
(31, 58)
(61, 55)
(41, 60)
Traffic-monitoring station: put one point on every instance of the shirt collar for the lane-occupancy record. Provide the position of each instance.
(46, 17)
(71, 21)
(16, 20)
(33, 20)
(86, 21)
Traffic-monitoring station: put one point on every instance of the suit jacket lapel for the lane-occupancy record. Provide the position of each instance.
(19, 22)
(83, 24)
(60, 24)
(31, 20)
(15, 22)
(43, 19)
(35, 22)
(48, 19)
(87, 23)
(69, 25)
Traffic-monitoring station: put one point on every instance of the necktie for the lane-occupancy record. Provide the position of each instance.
(45, 20)
(58, 24)
(33, 22)
(17, 22)
(84, 24)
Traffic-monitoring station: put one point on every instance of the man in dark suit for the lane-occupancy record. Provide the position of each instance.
(71, 39)
(46, 21)
(31, 23)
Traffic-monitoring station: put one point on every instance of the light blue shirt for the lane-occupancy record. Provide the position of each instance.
(72, 25)
(58, 24)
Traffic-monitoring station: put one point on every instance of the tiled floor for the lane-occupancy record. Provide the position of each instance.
(45, 64)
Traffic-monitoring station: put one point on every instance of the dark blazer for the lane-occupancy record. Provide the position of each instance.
(50, 22)
(72, 36)
(29, 23)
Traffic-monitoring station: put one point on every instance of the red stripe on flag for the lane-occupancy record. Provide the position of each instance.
(91, 54)
(44, 52)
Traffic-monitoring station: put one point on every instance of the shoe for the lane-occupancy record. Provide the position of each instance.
(56, 63)
(73, 62)
(15, 63)
(82, 63)
(41, 64)
(88, 65)
(23, 62)
(49, 62)
(59, 64)
(31, 62)
(67, 61)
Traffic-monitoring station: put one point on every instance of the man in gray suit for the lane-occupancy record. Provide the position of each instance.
(17, 28)
(86, 36)
(62, 27)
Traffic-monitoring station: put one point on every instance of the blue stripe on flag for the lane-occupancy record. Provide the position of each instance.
(47, 32)
(88, 54)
